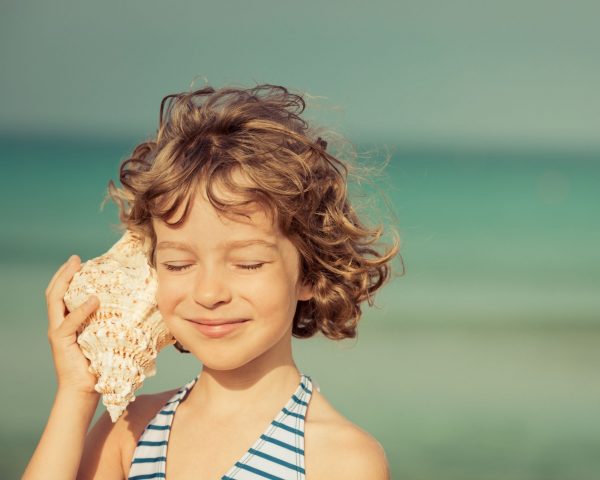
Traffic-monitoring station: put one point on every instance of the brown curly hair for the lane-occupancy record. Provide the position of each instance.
(207, 135)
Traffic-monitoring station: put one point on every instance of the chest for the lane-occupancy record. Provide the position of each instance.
(207, 450)
(204, 448)
(210, 451)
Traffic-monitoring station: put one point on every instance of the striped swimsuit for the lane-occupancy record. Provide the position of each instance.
(278, 454)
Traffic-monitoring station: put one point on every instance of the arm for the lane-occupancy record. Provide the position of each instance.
(59, 450)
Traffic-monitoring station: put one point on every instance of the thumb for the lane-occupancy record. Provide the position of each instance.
(79, 315)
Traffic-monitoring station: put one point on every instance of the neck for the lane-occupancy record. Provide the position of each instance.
(262, 385)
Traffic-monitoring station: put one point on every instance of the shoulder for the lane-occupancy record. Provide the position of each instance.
(134, 421)
(109, 446)
(337, 448)
(349, 453)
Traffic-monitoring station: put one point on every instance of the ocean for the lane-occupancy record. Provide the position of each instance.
(480, 362)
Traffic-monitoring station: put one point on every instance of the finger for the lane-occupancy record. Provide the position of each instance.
(59, 271)
(79, 315)
(62, 281)
(65, 265)
(56, 274)
(56, 304)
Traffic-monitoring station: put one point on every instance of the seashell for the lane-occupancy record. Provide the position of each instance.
(123, 336)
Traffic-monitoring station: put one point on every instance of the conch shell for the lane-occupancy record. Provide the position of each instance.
(123, 336)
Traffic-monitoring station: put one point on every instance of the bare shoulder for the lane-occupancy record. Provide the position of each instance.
(107, 444)
(134, 421)
(337, 448)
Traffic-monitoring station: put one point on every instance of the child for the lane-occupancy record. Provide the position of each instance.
(253, 241)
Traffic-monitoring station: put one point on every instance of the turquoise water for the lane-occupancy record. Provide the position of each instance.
(481, 362)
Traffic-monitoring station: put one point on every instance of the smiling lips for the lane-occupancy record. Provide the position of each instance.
(217, 322)
(217, 329)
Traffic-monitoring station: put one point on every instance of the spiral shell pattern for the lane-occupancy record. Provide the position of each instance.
(123, 336)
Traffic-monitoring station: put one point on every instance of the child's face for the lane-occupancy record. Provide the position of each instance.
(214, 285)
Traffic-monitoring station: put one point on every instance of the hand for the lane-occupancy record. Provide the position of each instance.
(70, 363)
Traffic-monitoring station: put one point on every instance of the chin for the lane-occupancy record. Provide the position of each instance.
(218, 357)
(222, 362)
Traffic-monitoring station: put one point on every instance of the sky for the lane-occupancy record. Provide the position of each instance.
(430, 72)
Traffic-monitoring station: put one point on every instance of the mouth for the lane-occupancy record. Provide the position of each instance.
(217, 329)
(212, 323)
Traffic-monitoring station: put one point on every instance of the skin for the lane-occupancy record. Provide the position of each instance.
(253, 361)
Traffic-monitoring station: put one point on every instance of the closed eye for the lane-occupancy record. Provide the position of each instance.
(178, 268)
(175, 268)
(252, 267)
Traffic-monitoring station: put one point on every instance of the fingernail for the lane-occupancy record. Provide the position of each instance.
(91, 300)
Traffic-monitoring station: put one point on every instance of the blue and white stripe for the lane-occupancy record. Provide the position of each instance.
(278, 454)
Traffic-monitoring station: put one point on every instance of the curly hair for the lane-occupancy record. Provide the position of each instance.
(205, 136)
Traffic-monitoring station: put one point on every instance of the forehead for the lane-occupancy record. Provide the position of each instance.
(248, 218)
(226, 232)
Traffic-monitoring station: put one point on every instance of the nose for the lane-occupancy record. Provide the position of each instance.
(210, 286)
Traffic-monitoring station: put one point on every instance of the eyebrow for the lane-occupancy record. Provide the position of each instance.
(232, 244)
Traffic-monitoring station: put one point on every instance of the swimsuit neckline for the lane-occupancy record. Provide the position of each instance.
(295, 408)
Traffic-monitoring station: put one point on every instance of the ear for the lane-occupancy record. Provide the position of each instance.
(305, 292)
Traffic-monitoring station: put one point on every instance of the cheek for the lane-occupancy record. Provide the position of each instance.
(273, 296)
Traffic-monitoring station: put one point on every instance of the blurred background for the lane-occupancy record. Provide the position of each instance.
(482, 361)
